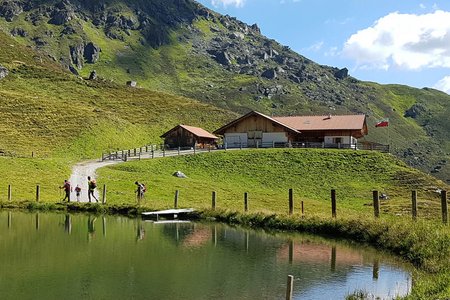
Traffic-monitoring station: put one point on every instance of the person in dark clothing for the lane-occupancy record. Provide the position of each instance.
(140, 190)
(67, 189)
(92, 184)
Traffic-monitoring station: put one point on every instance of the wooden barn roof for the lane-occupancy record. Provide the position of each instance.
(197, 131)
(222, 129)
(330, 122)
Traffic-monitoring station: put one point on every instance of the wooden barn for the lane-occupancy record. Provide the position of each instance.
(256, 129)
(184, 136)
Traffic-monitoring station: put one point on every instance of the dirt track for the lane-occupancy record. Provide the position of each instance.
(81, 171)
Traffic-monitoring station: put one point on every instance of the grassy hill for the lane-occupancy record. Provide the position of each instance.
(268, 174)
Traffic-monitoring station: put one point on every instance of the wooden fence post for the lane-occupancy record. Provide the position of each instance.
(104, 194)
(38, 193)
(333, 203)
(146, 148)
(290, 287)
(178, 150)
(175, 204)
(246, 202)
(414, 204)
(9, 192)
(213, 200)
(376, 204)
(303, 209)
(164, 151)
(291, 201)
(444, 207)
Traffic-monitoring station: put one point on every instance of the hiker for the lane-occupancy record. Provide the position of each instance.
(78, 192)
(92, 184)
(67, 189)
(141, 189)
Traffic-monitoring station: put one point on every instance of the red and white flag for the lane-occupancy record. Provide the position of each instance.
(382, 123)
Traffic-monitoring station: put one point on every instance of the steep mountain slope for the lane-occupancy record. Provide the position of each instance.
(181, 47)
(46, 110)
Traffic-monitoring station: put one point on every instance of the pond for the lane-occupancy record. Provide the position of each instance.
(63, 256)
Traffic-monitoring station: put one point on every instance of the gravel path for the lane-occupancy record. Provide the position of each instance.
(81, 171)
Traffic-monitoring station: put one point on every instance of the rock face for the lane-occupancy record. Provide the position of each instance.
(415, 111)
(91, 53)
(62, 13)
(10, 9)
(3, 72)
(341, 74)
(269, 74)
(77, 55)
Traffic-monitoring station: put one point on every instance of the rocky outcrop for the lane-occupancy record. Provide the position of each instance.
(415, 111)
(341, 74)
(17, 31)
(222, 57)
(91, 53)
(269, 74)
(10, 9)
(77, 55)
(63, 12)
(3, 72)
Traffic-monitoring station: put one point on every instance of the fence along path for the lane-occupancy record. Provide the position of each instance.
(82, 170)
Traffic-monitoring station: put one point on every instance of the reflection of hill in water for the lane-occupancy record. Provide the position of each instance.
(172, 261)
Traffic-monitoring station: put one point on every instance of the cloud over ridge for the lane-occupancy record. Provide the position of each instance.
(237, 3)
(403, 41)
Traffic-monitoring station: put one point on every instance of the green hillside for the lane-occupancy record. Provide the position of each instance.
(188, 50)
(47, 111)
(268, 174)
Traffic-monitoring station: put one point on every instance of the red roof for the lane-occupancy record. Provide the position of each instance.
(330, 122)
(197, 131)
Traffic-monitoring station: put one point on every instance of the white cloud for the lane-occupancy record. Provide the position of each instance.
(237, 3)
(315, 47)
(404, 41)
(443, 84)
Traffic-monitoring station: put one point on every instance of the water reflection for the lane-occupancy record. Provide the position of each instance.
(68, 224)
(91, 228)
(181, 261)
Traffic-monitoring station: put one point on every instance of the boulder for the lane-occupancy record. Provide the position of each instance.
(179, 174)
(255, 28)
(17, 31)
(132, 83)
(341, 74)
(76, 54)
(91, 53)
(3, 72)
(222, 57)
(93, 75)
(269, 74)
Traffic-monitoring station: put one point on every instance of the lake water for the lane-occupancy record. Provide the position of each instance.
(59, 256)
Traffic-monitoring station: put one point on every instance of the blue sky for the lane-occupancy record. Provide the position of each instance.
(386, 41)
